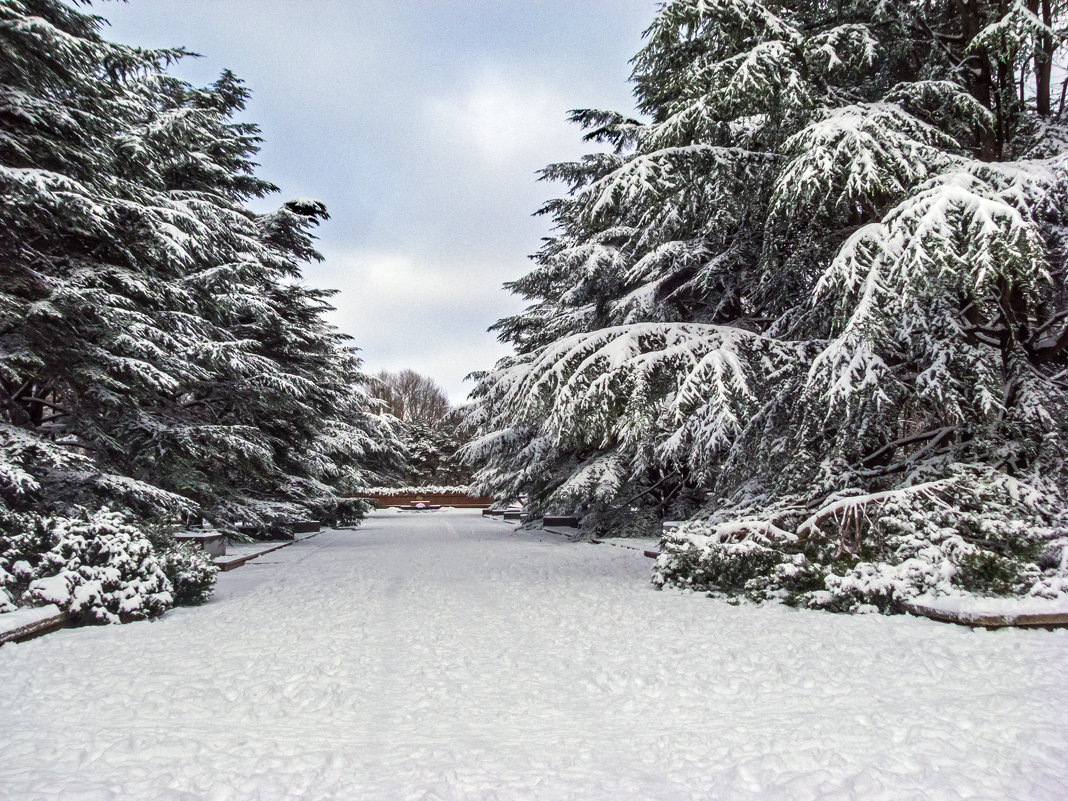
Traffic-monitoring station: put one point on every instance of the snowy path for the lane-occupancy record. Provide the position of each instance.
(441, 656)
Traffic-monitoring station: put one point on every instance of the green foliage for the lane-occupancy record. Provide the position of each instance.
(729, 570)
(607, 520)
(188, 567)
(191, 573)
(433, 453)
(987, 573)
(345, 512)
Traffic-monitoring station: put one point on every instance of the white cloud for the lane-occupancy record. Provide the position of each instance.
(504, 120)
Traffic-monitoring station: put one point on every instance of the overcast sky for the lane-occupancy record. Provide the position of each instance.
(421, 125)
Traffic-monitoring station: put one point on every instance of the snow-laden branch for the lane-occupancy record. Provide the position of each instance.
(855, 503)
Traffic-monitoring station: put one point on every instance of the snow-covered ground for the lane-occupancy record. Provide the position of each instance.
(443, 656)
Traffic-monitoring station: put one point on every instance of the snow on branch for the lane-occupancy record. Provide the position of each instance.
(654, 175)
(956, 236)
(857, 503)
(1018, 26)
(634, 387)
(850, 45)
(857, 156)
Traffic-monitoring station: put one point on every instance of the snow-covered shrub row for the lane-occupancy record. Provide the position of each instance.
(816, 297)
(959, 536)
(98, 567)
(159, 355)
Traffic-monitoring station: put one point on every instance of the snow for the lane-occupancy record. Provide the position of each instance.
(449, 657)
(425, 490)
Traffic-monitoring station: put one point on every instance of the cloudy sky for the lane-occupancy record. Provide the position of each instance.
(421, 124)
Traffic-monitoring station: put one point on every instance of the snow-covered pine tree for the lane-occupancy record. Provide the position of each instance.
(158, 353)
(814, 294)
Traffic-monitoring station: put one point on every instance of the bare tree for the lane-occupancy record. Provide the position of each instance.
(413, 398)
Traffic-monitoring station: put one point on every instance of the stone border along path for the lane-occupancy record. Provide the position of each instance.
(33, 622)
(254, 550)
(30, 622)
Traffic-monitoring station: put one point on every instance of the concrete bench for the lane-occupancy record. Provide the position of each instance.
(213, 542)
(565, 521)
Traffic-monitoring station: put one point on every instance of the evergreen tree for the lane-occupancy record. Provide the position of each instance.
(158, 353)
(431, 430)
(813, 296)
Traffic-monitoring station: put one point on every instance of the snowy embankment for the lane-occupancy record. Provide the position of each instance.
(443, 656)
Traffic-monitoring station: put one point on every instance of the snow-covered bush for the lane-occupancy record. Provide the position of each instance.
(24, 539)
(98, 567)
(751, 557)
(187, 566)
(190, 571)
(714, 566)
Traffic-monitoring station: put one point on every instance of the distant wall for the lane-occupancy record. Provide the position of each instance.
(460, 500)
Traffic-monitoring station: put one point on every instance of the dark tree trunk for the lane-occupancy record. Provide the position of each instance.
(981, 79)
(1044, 61)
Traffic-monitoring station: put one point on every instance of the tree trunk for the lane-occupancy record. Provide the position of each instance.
(981, 83)
(1044, 62)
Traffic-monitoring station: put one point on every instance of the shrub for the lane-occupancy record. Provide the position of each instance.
(698, 560)
(986, 572)
(191, 572)
(98, 567)
(188, 567)
(979, 533)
